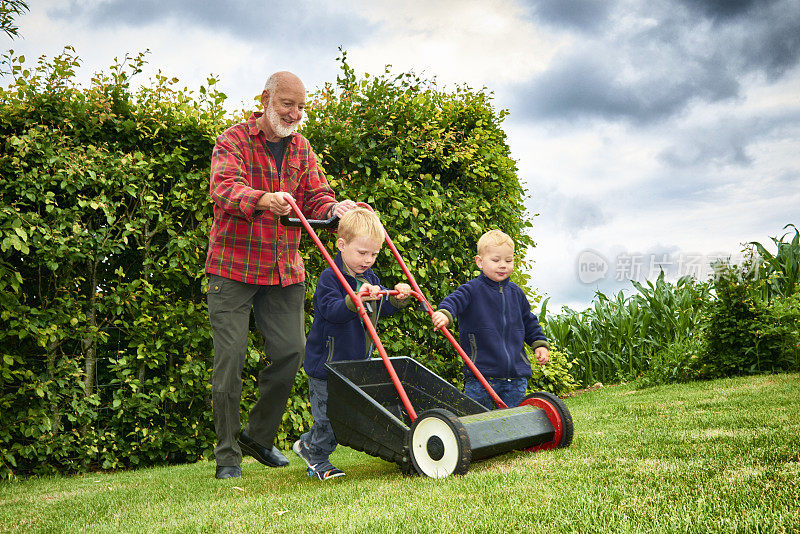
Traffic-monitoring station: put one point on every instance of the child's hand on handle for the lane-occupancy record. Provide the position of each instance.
(372, 292)
(440, 320)
(542, 355)
(403, 291)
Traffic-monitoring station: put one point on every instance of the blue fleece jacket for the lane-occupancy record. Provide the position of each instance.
(337, 332)
(494, 321)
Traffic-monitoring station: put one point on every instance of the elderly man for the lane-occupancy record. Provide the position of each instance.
(253, 263)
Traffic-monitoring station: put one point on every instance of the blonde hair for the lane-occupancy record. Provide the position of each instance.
(360, 222)
(494, 238)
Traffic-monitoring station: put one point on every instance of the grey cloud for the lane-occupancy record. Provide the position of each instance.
(584, 15)
(756, 35)
(144, 12)
(572, 213)
(774, 47)
(297, 23)
(709, 147)
(670, 58)
(580, 213)
(571, 294)
(727, 142)
(590, 85)
(647, 265)
(789, 178)
(719, 163)
(721, 10)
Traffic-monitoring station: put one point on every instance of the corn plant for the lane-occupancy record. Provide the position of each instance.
(780, 271)
(616, 337)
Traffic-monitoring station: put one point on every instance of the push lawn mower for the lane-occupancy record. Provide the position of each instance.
(371, 402)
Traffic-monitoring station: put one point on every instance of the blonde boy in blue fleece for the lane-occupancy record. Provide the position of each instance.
(495, 321)
(338, 332)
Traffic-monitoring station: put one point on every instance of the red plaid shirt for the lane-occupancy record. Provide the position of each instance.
(247, 244)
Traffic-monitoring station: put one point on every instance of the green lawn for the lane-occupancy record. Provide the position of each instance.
(720, 456)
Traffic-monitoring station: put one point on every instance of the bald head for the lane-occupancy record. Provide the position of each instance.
(283, 78)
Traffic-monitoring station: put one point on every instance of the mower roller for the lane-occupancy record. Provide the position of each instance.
(371, 402)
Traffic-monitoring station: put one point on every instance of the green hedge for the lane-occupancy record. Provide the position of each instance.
(745, 333)
(105, 345)
(104, 218)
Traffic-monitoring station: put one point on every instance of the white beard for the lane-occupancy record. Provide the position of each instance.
(277, 124)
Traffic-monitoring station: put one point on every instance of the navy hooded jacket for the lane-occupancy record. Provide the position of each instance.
(494, 321)
(337, 332)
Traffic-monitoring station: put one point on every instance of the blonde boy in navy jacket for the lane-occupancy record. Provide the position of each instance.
(337, 332)
(495, 320)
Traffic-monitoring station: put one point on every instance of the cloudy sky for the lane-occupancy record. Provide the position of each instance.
(648, 134)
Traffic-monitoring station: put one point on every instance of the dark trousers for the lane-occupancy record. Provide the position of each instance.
(279, 316)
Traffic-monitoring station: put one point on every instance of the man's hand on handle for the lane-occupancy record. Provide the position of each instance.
(275, 203)
(340, 208)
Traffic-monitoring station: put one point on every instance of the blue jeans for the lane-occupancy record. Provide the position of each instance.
(320, 438)
(510, 390)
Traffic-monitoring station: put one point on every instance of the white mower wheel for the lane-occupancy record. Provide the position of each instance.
(439, 444)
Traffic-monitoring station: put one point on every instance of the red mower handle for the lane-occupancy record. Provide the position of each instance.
(362, 312)
(417, 293)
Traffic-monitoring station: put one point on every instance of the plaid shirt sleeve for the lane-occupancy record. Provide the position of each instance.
(248, 244)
